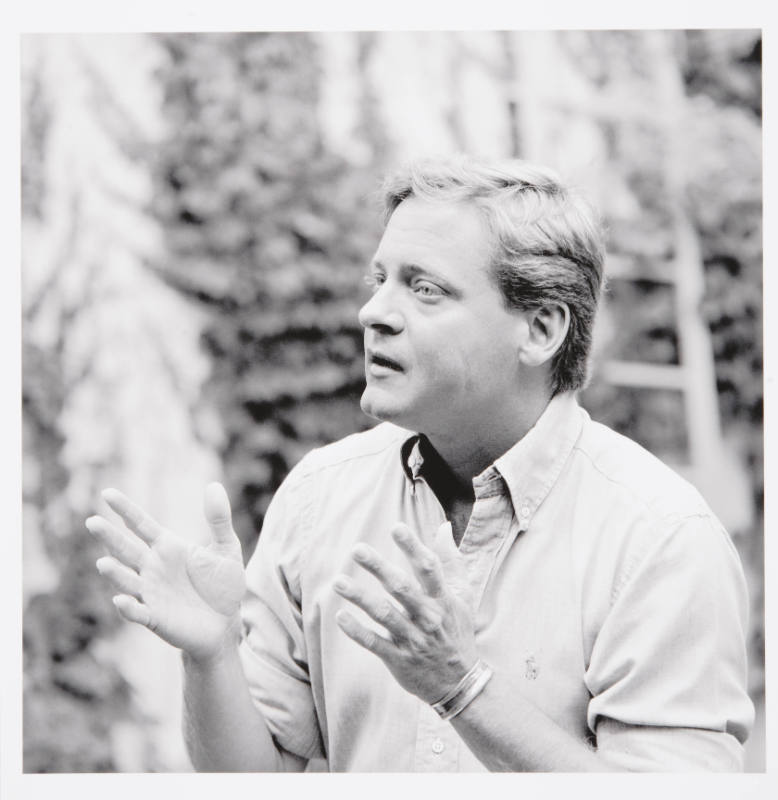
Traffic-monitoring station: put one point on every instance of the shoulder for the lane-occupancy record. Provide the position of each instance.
(327, 479)
(331, 478)
(628, 471)
(358, 451)
(648, 548)
(640, 512)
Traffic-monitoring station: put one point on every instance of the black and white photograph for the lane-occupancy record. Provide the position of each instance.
(392, 401)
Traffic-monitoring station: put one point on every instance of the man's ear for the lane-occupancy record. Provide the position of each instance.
(547, 329)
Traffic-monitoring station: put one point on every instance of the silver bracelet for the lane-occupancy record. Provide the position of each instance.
(465, 691)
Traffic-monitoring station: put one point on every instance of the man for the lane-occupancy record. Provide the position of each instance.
(489, 579)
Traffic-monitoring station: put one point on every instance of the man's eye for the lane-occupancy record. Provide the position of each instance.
(374, 281)
(427, 289)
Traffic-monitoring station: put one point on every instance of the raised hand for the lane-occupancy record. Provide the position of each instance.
(189, 595)
(429, 644)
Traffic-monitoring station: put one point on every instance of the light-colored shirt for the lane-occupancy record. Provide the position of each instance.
(600, 577)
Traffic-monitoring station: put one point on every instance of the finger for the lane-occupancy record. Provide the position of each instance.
(132, 610)
(424, 562)
(218, 514)
(443, 542)
(452, 563)
(126, 548)
(134, 517)
(123, 578)
(379, 609)
(364, 637)
(397, 582)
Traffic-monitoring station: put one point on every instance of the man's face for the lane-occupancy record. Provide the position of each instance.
(440, 345)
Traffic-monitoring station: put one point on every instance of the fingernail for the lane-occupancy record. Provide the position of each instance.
(342, 583)
(361, 552)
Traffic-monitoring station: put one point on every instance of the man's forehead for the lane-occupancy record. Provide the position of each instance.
(419, 225)
(431, 210)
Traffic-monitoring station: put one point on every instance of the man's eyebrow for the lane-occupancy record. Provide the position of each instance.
(409, 268)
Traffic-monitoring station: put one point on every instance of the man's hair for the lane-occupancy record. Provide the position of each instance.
(548, 241)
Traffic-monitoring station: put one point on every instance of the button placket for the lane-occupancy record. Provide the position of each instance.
(490, 514)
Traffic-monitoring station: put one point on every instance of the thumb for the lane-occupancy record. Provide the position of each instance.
(216, 506)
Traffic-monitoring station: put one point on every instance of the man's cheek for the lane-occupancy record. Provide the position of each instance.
(450, 371)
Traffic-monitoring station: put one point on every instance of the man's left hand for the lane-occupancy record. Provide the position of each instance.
(429, 643)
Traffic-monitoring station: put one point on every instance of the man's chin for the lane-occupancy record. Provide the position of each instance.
(381, 408)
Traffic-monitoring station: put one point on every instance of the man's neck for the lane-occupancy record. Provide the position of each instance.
(459, 457)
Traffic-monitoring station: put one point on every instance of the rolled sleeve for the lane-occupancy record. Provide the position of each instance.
(667, 672)
(273, 649)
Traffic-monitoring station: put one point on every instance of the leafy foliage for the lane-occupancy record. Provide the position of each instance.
(269, 232)
(67, 690)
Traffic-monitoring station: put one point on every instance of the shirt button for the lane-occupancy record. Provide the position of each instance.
(438, 747)
(524, 512)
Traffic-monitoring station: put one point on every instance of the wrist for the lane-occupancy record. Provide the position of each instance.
(223, 651)
(460, 697)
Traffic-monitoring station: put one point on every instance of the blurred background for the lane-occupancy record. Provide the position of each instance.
(198, 210)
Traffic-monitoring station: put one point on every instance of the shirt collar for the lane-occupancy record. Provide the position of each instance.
(531, 467)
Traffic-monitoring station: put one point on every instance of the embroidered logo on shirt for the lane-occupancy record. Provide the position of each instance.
(531, 671)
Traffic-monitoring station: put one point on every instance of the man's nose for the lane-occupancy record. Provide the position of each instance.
(380, 312)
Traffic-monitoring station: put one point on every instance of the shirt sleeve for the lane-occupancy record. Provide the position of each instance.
(667, 672)
(273, 649)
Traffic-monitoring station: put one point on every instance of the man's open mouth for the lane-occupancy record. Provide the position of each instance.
(383, 361)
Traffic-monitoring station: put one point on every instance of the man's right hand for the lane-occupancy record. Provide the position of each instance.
(187, 594)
